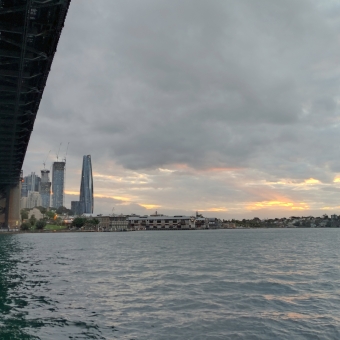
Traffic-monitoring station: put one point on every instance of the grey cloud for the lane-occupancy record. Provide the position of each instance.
(245, 84)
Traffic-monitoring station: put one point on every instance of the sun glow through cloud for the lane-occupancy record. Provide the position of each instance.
(150, 206)
(276, 204)
(312, 181)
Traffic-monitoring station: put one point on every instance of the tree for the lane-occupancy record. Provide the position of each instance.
(58, 221)
(63, 210)
(91, 222)
(78, 222)
(94, 221)
(50, 214)
(42, 210)
(24, 214)
(25, 226)
(32, 220)
(40, 224)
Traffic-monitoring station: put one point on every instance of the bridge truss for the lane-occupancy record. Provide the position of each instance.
(29, 34)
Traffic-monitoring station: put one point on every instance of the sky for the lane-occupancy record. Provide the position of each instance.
(229, 108)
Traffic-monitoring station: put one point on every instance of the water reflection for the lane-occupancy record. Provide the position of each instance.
(163, 286)
(12, 316)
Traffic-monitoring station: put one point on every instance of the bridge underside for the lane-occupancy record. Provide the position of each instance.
(29, 34)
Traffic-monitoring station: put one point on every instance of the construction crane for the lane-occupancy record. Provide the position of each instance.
(44, 162)
(58, 151)
(66, 152)
(65, 170)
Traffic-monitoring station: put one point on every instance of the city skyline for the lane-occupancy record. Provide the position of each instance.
(188, 113)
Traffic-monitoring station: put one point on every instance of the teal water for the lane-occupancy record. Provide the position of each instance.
(222, 284)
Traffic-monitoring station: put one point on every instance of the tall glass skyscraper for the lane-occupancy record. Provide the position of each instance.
(58, 176)
(86, 186)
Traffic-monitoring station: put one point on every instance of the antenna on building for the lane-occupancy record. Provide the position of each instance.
(112, 214)
(44, 162)
(58, 151)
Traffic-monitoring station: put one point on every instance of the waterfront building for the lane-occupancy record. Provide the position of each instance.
(113, 223)
(45, 188)
(86, 186)
(161, 222)
(104, 222)
(214, 223)
(119, 222)
(58, 177)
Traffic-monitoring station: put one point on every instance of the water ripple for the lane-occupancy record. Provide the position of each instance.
(226, 284)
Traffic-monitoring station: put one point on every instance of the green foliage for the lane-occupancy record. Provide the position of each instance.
(42, 210)
(63, 210)
(24, 214)
(92, 221)
(25, 226)
(55, 227)
(50, 214)
(32, 220)
(78, 222)
(40, 224)
(58, 221)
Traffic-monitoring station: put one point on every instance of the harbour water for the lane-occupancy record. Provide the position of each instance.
(209, 284)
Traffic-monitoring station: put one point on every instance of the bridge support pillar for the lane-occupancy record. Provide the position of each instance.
(14, 218)
(10, 218)
(3, 204)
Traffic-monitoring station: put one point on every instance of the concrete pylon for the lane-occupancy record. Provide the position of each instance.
(13, 216)
(2, 211)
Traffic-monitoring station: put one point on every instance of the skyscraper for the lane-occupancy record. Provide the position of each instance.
(86, 186)
(30, 183)
(58, 175)
(45, 189)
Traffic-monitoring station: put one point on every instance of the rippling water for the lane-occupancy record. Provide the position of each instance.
(223, 284)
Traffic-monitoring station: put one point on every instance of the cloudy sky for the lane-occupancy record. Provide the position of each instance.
(227, 107)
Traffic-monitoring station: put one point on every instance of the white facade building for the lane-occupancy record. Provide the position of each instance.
(33, 199)
(159, 222)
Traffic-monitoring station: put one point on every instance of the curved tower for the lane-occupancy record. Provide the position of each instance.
(86, 186)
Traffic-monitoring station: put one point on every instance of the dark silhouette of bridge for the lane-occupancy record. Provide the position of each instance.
(29, 35)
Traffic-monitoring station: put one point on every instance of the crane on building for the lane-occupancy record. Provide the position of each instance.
(66, 152)
(58, 151)
(44, 162)
(65, 170)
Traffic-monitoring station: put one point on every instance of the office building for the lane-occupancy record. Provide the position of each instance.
(86, 186)
(76, 208)
(30, 183)
(58, 177)
(33, 200)
(45, 188)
